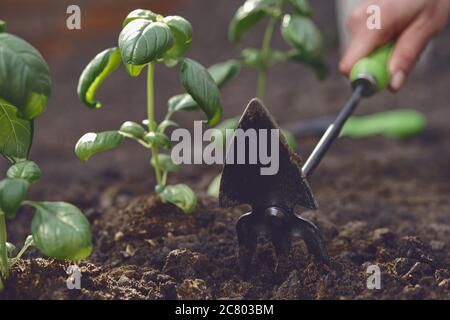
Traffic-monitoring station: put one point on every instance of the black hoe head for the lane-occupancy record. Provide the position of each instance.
(272, 195)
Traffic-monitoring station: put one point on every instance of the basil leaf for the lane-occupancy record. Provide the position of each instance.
(252, 58)
(133, 70)
(93, 143)
(301, 6)
(12, 194)
(180, 195)
(140, 14)
(182, 102)
(165, 161)
(143, 41)
(95, 73)
(166, 124)
(182, 34)
(132, 129)
(247, 16)
(16, 134)
(316, 63)
(2, 26)
(26, 170)
(223, 72)
(24, 76)
(301, 33)
(61, 231)
(11, 249)
(201, 86)
(159, 139)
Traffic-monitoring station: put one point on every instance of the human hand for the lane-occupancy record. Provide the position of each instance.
(412, 23)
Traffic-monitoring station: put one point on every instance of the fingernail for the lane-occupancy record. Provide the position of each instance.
(397, 80)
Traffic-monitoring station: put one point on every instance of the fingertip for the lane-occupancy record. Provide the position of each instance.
(397, 80)
(344, 67)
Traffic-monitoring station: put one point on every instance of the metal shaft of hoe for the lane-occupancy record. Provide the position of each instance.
(333, 131)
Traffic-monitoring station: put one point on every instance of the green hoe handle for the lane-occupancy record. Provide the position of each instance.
(392, 124)
(373, 70)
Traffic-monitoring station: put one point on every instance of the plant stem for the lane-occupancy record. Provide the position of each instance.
(265, 51)
(4, 267)
(151, 117)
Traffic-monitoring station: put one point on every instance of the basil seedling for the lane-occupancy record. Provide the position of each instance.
(146, 40)
(59, 230)
(297, 29)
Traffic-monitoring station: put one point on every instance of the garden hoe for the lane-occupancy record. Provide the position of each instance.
(273, 198)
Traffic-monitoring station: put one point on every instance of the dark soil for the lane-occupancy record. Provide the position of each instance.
(383, 202)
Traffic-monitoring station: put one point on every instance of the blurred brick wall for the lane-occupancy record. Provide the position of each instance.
(43, 22)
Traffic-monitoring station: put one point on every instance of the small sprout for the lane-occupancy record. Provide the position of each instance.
(11, 249)
(180, 195)
(214, 187)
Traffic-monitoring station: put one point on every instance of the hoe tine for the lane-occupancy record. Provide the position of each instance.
(247, 233)
(312, 236)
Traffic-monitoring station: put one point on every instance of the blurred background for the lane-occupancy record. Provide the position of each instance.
(293, 93)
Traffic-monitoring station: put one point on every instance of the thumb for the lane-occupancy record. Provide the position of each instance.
(409, 46)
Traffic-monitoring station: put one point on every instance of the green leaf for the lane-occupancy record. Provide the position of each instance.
(301, 33)
(182, 102)
(252, 58)
(133, 70)
(93, 143)
(140, 14)
(166, 124)
(11, 249)
(159, 139)
(180, 195)
(27, 170)
(61, 231)
(201, 86)
(132, 129)
(247, 16)
(16, 134)
(12, 194)
(182, 35)
(301, 6)
(24, 76)
(214, 187)
(2, 26)
(316, 63)
(143, 41)
(165, 161)
(223, 72)
(105, 63)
